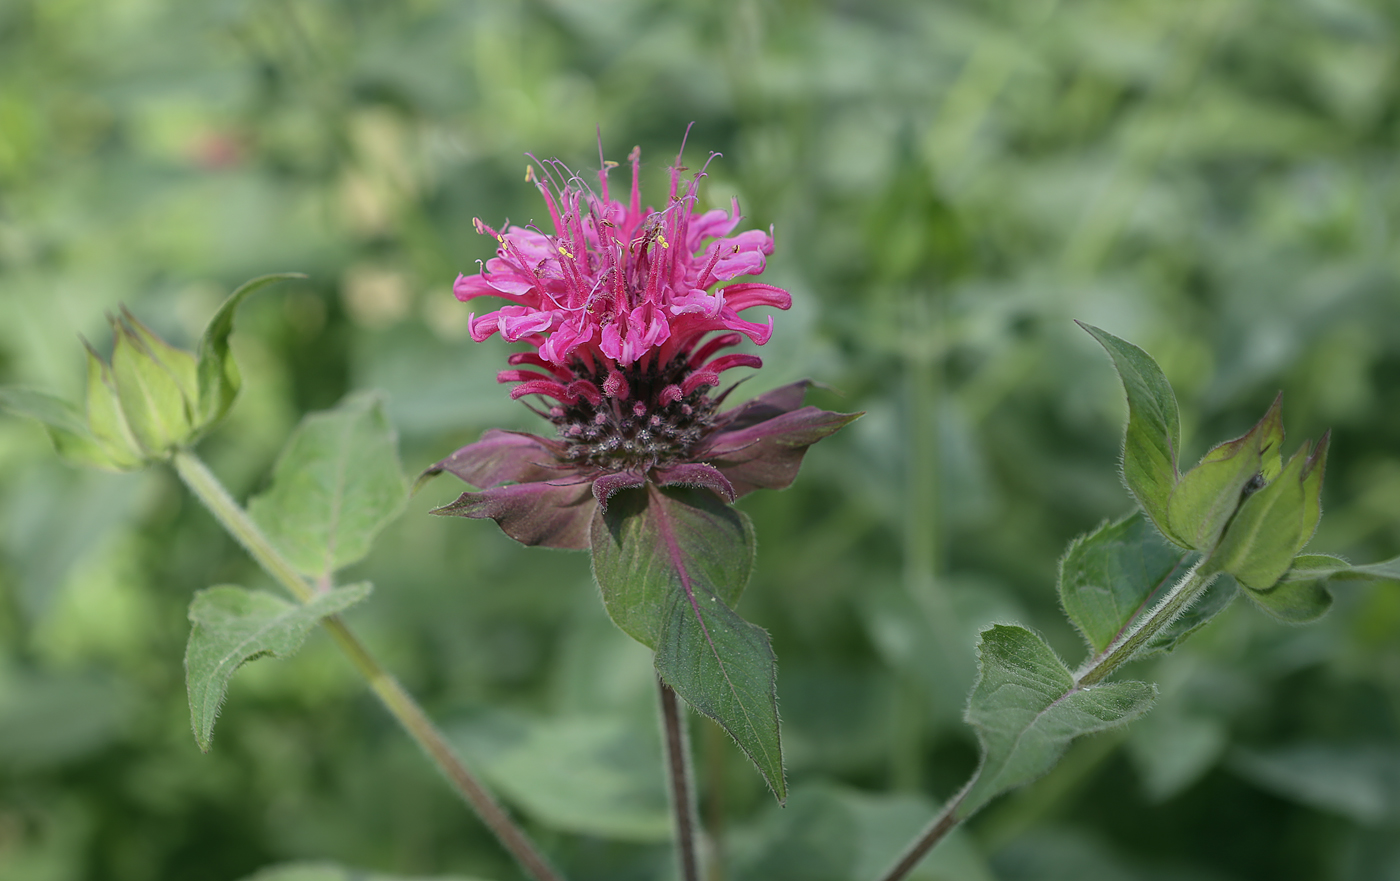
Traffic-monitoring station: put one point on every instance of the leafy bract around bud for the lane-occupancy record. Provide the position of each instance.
(1206, 497)
(1275, 522)
(151, 400)
(1249, 514)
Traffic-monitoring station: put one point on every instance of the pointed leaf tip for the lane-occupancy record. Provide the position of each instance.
(1153, 437)
(218, 376)
(1026, 709)
(232, 625)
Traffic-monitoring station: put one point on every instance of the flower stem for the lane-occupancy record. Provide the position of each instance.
(396, 700)
(1118, 652)
(1132, 639)
(681, 787)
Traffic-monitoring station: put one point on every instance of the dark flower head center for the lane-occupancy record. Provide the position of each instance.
(644, 421)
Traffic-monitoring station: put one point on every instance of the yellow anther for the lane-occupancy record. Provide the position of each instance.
(662, 239)
(565, 251)
(529, 173)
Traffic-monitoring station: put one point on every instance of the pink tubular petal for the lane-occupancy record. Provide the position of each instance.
(534, 360)
(726, 362)
(544, 514)
(697, 474)
(546, 387)
(696, 380)
(747, 294)
(520, 376)
(608, 485)
(722, 341)
(587, 390)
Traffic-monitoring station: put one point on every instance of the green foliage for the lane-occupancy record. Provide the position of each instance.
(1026, 708)
(596, 774)
(948, 182)
(1206, 497)
(1153, 439)
(670, 564)
(332, 872)
(232, 626)
(217, 373)
(335, 486)
(1109, 576)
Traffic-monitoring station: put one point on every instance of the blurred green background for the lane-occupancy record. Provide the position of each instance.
(950, 183)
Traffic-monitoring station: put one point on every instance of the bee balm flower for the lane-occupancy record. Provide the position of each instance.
(625, 316)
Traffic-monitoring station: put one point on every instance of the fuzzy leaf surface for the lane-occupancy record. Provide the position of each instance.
(670, 563)
(336, 484)
(1110, 575)
(1153, 438)
(648, 544)
(1026, 709)
(233, 625)
(1308, 567)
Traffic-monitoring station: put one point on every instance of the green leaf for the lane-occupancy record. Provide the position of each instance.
(1153, 438)
(1294, 602)
(336, 484)
(590, 774)
(1308, 567)
(151, 397)
(64, 423)
(333, 872)
(724, 667)
(1111, 575)
(1207, 496)
(1357, 780)
(669, 563)
(232, 626)
(1026, 709)
(635, 569)
(218, 375)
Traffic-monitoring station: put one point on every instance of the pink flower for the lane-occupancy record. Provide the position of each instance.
(621, 309)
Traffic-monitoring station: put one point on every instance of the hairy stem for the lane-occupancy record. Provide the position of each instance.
(1131, 641)
(680, 780)
(396, 700)
(1118, 652)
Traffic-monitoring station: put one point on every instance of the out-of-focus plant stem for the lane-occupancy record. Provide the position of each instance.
(680, 779)
(396, 700)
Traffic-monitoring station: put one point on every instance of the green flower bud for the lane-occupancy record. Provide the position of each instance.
(1274, 522)
(1206, 497)
(156, 385)
(151, 400)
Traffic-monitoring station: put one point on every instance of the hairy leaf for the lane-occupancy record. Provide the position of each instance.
(670, 563)
(1153, 438)
(1026, 709)
(336, 484)
(649, 542)
(233, 625)
(1110, 575)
